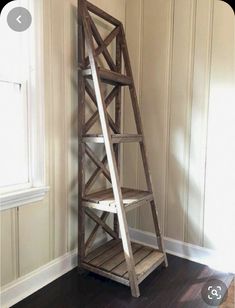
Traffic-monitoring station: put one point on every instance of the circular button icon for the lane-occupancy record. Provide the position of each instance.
(19, 19)
(214, 292)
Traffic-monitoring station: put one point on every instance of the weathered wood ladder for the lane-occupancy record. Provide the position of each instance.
(118, 259)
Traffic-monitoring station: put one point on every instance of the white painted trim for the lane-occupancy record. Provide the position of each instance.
(27, 285)
(34, 95)
(23, 287)
(215, 259)
(22, 197)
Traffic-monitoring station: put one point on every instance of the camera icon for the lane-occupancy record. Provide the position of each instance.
(214, 292)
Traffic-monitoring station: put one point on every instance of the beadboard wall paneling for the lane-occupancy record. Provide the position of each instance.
(156, 67)
(219, 227)
(9, 251)
(130, 151)
(199, 115)
(179, 124)
(187, 72)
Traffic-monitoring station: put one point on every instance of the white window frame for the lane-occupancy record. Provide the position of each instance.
(36, 190)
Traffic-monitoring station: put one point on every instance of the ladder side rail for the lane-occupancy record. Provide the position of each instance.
(139, 127)
(118, 113)
(81, 146)
(124, 232)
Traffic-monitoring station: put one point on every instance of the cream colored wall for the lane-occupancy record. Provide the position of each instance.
(187, 52)
(34, 234)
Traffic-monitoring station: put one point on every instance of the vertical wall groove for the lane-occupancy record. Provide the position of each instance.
(168, 114)
(189, 116)
(212, 7)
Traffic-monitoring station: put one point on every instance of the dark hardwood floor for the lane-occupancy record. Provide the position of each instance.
(177, 286)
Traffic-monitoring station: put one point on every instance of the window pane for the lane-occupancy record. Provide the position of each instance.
(13, 135)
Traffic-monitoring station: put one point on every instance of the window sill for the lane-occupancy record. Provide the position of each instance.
(22, 197)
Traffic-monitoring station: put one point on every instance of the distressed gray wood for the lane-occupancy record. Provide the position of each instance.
(94, 176)
(97, 162)
(105, 208)
(109, 77)
(92, 236)
(119, 258)
(106, 42)
(124, 232)
(117, 138)
(121, 270)
(122, 261)
(106, 274)
(97, 219)
(98, 251)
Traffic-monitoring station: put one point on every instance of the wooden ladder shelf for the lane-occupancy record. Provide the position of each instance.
(119, 259)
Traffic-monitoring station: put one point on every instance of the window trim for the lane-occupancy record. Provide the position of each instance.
(23, 194)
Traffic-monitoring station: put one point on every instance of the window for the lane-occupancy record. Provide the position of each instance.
(14, 163)
(21, 110)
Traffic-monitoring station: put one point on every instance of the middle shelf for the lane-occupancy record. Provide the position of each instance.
(104, 200)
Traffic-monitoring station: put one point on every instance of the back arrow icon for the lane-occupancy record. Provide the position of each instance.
(18, 19)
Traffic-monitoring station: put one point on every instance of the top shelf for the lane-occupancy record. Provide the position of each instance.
(109, 77)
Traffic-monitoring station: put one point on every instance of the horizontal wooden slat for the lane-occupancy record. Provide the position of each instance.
(109, 260)
(147, 265)
(140, 254)
(118, 259)
(115, 138)
(98, 251)
(100, 207)
(104, 199)
(109, 77)
(106, 274)
(112, 252)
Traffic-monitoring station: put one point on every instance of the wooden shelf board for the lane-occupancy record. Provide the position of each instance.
(104, 199)
(109, 77)
(115, 138)
(109, 261)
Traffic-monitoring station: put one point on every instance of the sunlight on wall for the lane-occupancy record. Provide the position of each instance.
(220, 173)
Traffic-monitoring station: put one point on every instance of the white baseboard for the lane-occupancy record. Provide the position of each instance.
(23, 287)
(215, 259)
(32, 282)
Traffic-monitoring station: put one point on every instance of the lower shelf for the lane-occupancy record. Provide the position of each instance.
(108, 260)
(104, 199)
